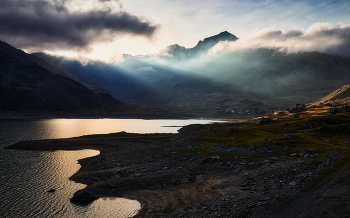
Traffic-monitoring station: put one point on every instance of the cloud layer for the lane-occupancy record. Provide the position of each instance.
(51, 24)
(319, 37)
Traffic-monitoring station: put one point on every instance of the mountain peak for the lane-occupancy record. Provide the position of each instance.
(202, 46)
(207, 43)
(223, 36)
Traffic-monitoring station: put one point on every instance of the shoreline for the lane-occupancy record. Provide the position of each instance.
(181, 174)
(123, 117)
(74, 115)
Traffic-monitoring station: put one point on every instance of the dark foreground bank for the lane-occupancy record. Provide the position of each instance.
(278, 166)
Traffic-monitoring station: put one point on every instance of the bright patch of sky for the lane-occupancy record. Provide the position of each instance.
(186, 22)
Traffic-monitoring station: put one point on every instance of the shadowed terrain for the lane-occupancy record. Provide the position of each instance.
(261, 168)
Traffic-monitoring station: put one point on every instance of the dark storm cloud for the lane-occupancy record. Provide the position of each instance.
(37, 23)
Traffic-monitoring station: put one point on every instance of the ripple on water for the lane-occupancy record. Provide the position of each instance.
(36, 172)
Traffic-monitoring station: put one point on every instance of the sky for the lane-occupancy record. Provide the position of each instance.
(104, 29)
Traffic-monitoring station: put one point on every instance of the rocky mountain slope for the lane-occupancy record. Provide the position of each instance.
(28, 86)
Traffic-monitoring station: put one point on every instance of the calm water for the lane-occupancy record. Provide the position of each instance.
(27, 175)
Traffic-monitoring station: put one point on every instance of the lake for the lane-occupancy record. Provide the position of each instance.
(26, 176)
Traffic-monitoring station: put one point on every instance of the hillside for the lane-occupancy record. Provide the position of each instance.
(341, 95)
(27, 86)
(254, 79)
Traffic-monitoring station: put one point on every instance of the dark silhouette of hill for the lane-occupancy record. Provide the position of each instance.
(27, 86)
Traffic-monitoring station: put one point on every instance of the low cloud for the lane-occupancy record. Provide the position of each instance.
(51, 25)
(319, 37)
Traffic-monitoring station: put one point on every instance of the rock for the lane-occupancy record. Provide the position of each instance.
(51, 190)
(293, 183)
(82, 196)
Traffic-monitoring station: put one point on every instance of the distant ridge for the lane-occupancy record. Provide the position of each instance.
(202, 46)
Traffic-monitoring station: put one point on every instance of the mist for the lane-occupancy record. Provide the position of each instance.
(271, 66)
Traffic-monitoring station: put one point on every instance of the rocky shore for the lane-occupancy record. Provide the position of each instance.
(252, 169)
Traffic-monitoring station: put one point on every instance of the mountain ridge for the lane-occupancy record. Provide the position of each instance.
(27, 86)
(254, 79)
(203, 46)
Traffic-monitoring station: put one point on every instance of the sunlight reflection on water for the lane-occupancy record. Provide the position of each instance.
(65, 128)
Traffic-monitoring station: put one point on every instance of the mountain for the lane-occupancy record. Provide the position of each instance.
(254, 79)
(135, 75)
(28, 86)
(202, 47)
(153, 85)
(208, 43)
